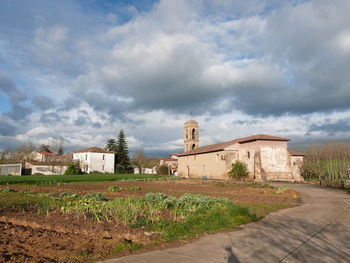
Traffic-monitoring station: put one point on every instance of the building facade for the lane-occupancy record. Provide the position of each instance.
(267, 159)
(95, 159)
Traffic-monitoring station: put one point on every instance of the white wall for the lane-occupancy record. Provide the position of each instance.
(95, 162)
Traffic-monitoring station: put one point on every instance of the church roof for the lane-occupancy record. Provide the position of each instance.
(223, 145)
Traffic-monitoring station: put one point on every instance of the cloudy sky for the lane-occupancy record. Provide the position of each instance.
(84, 69)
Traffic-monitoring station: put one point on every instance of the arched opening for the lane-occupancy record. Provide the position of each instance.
(193, 134)
(193, 146)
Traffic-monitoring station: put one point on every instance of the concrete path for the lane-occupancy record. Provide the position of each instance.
(316, 231)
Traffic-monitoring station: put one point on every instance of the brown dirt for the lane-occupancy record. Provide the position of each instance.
(29, 237)
(241, 193)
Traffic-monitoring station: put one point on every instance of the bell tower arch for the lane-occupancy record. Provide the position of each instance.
(191, 136)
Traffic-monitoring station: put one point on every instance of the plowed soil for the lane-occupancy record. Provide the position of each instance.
(27, 236)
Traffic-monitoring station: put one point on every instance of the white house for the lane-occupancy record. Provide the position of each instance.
(95, 159)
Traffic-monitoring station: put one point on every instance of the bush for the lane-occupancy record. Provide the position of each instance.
(73, 168)
(238, 170)
(163, 170)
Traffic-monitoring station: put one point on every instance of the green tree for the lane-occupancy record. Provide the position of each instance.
(123, 164)
(238, 170)
(111, 145)
(60, 150)
(73, 168)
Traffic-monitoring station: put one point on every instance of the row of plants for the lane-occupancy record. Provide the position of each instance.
(173, 218)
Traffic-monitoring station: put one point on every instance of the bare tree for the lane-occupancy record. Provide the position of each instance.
(140, 159)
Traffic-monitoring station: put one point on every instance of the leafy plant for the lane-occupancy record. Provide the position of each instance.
(238, 170)
(95, 197)
(113, 188)
(7, 190)
(134, 188)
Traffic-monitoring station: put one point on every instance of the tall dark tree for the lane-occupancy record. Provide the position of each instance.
(123, 161)
(60, 150)
(111, 145)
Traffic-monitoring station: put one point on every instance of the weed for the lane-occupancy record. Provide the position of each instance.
(7, 190)
(281, 189)
(126, 245)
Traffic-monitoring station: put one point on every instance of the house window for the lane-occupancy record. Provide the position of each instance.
(85, 156)
(193, 134)
(193, 146)
(103, 167)
(103, 157)
(222, 157)
(248, 155)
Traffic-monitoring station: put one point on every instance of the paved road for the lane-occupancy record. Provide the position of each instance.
(317, 231)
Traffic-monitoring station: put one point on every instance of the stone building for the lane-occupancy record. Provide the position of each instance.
(267, 158)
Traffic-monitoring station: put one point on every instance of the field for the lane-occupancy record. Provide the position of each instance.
(60, 179)
(82, 222)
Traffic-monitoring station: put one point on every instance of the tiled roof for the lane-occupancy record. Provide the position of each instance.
(296, 153)
(48, 153)
(93, 150)
(49, 163)
(223, 145)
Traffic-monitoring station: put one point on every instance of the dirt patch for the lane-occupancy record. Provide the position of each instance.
(56, 237)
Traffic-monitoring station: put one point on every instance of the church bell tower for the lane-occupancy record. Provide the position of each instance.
(191, 135)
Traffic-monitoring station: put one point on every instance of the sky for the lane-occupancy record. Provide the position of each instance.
(84, 69)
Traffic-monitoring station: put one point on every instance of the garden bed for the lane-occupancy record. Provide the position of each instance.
(73, 225)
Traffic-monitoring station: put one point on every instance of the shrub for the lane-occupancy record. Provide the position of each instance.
(163, 170)
(238, 170)
(68, 195)
(73, 168)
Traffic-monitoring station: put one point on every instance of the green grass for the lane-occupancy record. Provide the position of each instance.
(264, 209)
(59, 179)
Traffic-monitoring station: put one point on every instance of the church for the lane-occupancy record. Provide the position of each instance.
(267, 157)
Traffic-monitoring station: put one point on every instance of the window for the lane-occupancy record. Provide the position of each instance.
(193, 134)
(248, 155)
(222, 157)
(103, 157)
(193, 146)
(103, 167)
(85, 156)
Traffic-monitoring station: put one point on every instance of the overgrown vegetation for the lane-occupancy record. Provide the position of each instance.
(173, 218)
(238, 170)
(329, 163)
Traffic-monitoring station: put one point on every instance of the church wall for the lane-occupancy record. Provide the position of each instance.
(212, 165)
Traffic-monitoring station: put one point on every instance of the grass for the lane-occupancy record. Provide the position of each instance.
(59, 179)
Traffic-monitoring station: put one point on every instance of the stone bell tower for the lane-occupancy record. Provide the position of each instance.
(191, 135)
